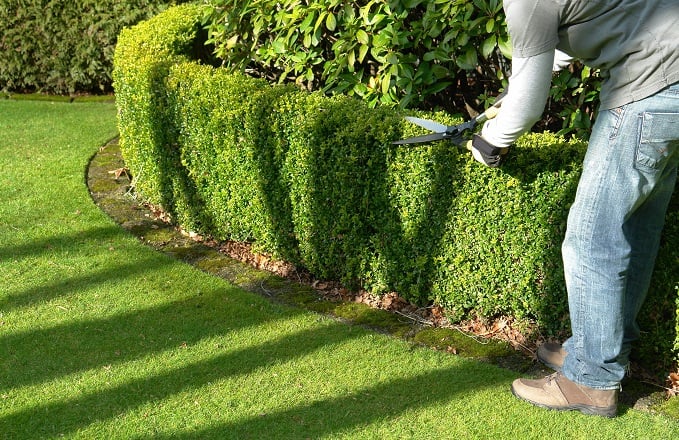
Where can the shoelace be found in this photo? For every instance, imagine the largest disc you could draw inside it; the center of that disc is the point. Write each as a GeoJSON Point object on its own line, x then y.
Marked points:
{"type": "Point", "coordinates": [552, 377]}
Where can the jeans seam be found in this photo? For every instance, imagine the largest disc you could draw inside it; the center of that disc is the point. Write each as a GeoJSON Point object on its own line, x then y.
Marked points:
{"type": "Point", "coordinates": [619, 113]}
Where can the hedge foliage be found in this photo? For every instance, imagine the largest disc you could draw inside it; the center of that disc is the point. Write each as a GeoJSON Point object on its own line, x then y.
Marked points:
{"type": "Point", "coordinates": [316, 180]}
{"type": "Point", "coordinates": [64, 47]}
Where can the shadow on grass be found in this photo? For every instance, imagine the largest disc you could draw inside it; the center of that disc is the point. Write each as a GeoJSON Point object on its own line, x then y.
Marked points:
{"type": "Point", "coordinates": [66, 286]}
{"type": "Point", "coordinates": [40, 246]}
{"type": "Point", "coordinates": [42, 355]}
{"type": "Point", "coordinates": [359, 408]}
{"type": "Point", "coordinates": [323, 417]}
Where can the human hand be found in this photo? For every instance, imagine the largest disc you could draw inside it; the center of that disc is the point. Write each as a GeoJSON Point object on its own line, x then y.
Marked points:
{"type": "Point", "coordinates": [486, 153]}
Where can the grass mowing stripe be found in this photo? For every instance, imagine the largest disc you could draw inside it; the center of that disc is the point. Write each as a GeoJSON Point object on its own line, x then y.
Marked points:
{"type": "Point", "coordinates": [101, 337]}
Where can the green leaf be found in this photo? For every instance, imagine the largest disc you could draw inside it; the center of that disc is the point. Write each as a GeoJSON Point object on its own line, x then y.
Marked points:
{"type": "Point", "coordinates": [469, 60]}
{"type": "Point", "coordinates": [438, 87]}
{"type": "Point", "coordinates": [488, 46]}
{"type": "Point", "coordinates": [440, 71]}
{"type": "Point", "coordinates": [320, 21]}
{"type": "Point", "coordinates": [377, 19]}
{"type": "Point", "coordinates": [231, 42]}
{"type": "Point", "coordinates": [392, 58]}
{"type": "Point", "coordinates": [278, 46]}
{"type": "Point", "coordinates": [586, 72]}
{"type": "Point", "coordinates": [362, 37]}
{"type": "Point", "coordinates": [429, 56]}
{"type": "Point", "coordinates": [331, 22]}
{"type": "Point", "coordinates": [505, 46]}
{"type": "Point", "coordinates": [386, 83]}
{"type": "Point", "coordinates": [306, 24]}
{"type": "Point", "coordinates": [362, 51]}
{"type": "Point", "coordinates": [351, 60]}
{"type": "Point", "coordinates": [490, 25]}
{"type": "Point", "coordinates": [316, 37]}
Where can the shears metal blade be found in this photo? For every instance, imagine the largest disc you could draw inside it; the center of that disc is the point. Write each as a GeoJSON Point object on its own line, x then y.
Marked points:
{"type": "Point", "coordinates": [457, 134]}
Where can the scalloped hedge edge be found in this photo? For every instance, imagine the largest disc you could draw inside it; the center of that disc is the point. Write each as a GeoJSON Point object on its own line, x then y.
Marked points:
{"type": "Point", "coordinates": [315, 180]}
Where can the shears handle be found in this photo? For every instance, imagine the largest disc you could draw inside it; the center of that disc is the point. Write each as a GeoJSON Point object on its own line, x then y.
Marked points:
{"type": "Point", "coordinates": [491, 111]}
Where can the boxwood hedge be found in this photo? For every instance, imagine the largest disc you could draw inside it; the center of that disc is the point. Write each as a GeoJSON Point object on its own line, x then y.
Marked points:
{"type": "Point", "coordinates": [315, 180]}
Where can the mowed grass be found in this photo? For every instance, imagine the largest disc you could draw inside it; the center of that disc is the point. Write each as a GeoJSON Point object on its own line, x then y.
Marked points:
{"type": "Point", "coordinates": [102, 337]}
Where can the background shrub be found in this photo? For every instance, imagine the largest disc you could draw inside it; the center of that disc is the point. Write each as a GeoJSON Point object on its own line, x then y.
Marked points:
{"type": "Point", "coordinates": [316, 180]}
{"type": "Point", "coordinates": [407, 53]}
{"type": "Point", "coordinates": [391, 52]}
{"type": "Point", "coordinates": [65, 47]}
{"type": "Point", "coordinates": [449, 54]}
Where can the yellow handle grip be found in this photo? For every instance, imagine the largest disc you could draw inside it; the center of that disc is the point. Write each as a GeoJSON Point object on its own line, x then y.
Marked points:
{"type": "Point", "coordinates": [492, 112]}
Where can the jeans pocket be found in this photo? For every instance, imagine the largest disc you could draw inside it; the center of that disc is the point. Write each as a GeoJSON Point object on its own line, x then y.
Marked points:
{"type": "Point", "coordinates": [658, 139]}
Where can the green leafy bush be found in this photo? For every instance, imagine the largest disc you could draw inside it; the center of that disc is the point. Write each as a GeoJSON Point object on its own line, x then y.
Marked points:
{"type": "Point", "coordinates": [387, 52]}
{"type": "Point", "coordinates": [315, 180]}
{"type": "Point", "coordinates": [447, 54]}
{"type": "Point", "coordinates": [576, 90]}
{"type": "Point", "coordinates": [64, 47]}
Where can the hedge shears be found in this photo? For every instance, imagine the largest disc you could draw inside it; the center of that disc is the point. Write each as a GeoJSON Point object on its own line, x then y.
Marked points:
{"type": "Point", "coordinates": [458, 134]}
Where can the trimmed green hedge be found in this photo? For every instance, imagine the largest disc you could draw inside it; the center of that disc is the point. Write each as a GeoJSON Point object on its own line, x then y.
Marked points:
{"type": "Point", "coordinates": [316, 181]}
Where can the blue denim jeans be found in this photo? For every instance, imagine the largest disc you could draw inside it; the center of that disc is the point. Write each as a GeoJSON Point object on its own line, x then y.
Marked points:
{"type": "Point", "coordinates": [613, 233]}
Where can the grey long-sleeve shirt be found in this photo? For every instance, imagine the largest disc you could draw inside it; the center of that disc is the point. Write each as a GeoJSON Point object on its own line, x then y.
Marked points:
{"type": "Point", "coordinates": [632, 42]}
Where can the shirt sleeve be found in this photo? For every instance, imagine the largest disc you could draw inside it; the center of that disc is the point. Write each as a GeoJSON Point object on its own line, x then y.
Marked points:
{"type": "Point", "coordinates": [533, 26]}
{"type": "Point", "coordinates": [561, 60]}
{"type": "Point", "coordinates": [525, 101]}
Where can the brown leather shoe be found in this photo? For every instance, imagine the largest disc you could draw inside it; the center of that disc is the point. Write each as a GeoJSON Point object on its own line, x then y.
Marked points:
{"type": "Point", "coordinates": [552, 354]}
{"type": "Point", "coordinates": [558, 392]}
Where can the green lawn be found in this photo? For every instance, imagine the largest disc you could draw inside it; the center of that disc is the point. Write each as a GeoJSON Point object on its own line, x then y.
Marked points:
{"type": "Point", "coordinates": [103, 337]}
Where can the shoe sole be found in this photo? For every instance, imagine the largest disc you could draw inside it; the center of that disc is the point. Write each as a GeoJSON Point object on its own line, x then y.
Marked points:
{"type": "Point", "coordinates": [585, 409]}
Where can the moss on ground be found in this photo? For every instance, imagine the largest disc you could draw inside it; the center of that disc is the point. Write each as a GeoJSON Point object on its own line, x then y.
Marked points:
{"type": "Point", "coordinates": [668, 407]}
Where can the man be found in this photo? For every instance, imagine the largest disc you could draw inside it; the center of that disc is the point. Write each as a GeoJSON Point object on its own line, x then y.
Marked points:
{"type": "Point", "coordinates": [629, 174]}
